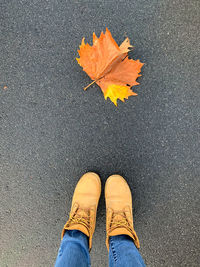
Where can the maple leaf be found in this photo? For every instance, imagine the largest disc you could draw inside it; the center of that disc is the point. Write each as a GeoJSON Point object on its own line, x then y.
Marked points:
{"type": "Point", "coordinates": [108, 65]}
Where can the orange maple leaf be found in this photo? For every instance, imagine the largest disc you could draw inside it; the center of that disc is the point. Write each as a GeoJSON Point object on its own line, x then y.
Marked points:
{"type": "Point", "coordinates": [108, 65]}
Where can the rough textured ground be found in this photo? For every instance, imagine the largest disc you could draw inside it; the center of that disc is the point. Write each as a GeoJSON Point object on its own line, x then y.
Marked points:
{"type": "Point", "coordinates": [51, 131]}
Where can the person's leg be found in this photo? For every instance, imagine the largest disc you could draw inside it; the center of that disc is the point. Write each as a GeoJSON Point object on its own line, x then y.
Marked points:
{"type": "Point", "coordinates": [121, 240]}
{"type": "Point", "coordinates": [74, 250]}
{"type": "Point", "coordinates": [123, 252]}
{"type": "Point", "coordinates": [79, 229]}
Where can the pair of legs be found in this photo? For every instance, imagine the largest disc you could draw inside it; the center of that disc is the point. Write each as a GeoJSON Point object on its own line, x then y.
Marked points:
{"type": "Point", "coordinates": [121, 240]}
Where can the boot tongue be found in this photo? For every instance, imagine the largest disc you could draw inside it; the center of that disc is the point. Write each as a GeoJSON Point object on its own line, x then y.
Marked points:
{"type": "Point", "coordinates": [121, 229]}
{"type": "Point", "coordinates": [82, 213]}
{"type": "Point", "coordinates": [79, 226]}
{"type": "Point", "coordinates": [118, 217]}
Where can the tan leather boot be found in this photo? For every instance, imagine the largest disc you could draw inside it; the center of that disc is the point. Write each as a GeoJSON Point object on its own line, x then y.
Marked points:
{"type": "Point", "coordinates": [119, 217]}
{"type": "Point", "coordinates": [84, 206]}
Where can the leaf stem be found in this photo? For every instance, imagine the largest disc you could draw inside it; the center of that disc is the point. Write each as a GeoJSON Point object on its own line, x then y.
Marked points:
{"type": "Point", "coordinates": [92, 83]}
{"type": "Point", "coordinates": [89, 85]}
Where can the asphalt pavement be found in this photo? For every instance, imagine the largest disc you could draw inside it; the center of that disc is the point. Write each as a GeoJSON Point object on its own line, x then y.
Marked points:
{"type": "Point", "coordinates": [52, 132]}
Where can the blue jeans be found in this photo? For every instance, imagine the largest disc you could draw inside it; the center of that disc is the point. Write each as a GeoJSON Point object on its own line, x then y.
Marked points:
{"type": "Point", "coordinates": [74, 252]}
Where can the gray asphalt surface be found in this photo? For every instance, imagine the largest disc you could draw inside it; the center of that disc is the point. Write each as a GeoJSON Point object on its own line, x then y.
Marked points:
{"type": "Point", "coordinates": [51, 131]}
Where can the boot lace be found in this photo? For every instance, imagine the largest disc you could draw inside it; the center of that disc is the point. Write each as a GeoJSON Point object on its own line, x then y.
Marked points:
{"type": "Point", "coordinates": [80, 216]}
{"type": "Point", "coordinates": [118, 223]}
